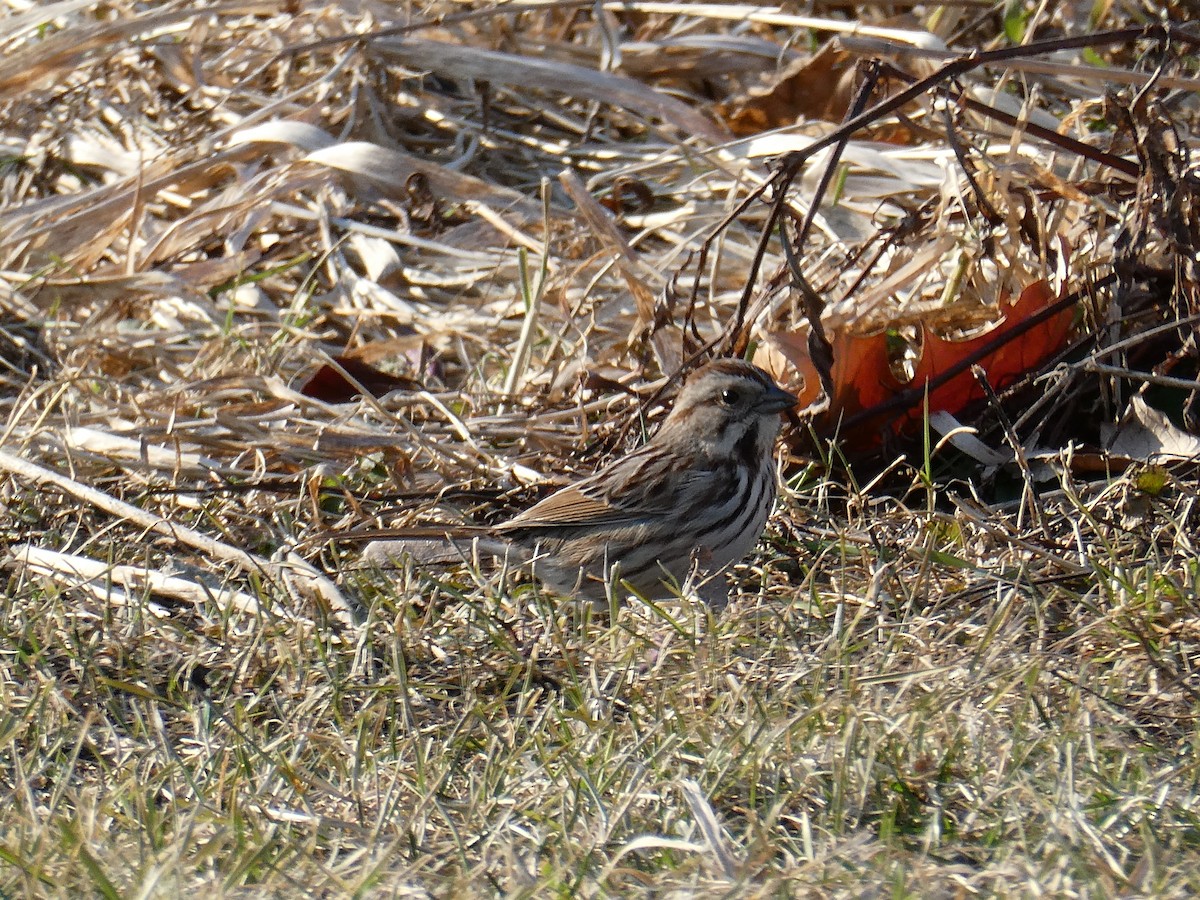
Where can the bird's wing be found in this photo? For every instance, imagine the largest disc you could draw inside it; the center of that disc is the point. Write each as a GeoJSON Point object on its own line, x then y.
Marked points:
{"type": "Point", "coordinates": [571, 507]}
{"type": "Point", "coordinates": [611, 498]}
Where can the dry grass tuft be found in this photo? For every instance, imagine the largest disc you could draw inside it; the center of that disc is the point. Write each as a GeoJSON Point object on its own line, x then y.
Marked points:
{"type": "Point", "coordinates": [933, 680]}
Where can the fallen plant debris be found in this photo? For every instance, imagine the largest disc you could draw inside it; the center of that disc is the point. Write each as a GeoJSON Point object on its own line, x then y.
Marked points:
{"type": "Point", "coordinates": [1011, 219]}
{"type": "Point", "coordinates": [864, 378]}
{"type": "Point", "coordinates": [272, 273]}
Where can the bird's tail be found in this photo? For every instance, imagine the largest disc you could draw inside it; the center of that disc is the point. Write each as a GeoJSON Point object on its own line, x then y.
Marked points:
{"type": "Point", "coordinates": [429, 547]}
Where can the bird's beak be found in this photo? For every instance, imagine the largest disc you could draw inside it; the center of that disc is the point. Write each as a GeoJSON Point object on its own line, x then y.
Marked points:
{"type": "Point", "coordinates": [776, 400]}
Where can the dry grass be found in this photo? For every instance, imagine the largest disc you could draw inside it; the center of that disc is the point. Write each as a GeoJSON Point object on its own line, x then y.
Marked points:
{"type": "Point", "coordinates": [932, 684]}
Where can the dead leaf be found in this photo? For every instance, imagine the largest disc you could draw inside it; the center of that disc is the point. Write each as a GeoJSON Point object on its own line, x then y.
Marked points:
{"type": "Point", "coordinates": [864, 377]}
{"type": "Point", "coordinates": [329, 383]}
{"type": "Point", "coordinates": [817, 87]}
{"type": "Point", "coordinates": [1145, 434]}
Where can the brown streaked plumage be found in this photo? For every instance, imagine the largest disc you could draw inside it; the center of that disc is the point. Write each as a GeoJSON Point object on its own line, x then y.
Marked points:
{"type": "Point", "coordinates": [690, 502]}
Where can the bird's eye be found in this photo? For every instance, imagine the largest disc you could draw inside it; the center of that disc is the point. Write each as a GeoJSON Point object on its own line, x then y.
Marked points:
{"type": "Point", "coordinates": [729, 396]}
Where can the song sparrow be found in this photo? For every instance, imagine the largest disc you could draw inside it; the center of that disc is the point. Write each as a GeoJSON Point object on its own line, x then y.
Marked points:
{"type": "Point", "coordinates": [690, 502]}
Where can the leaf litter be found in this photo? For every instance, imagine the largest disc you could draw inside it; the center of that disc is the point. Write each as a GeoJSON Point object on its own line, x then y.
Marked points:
{"type": "Point", "coordinates": [506, 232]}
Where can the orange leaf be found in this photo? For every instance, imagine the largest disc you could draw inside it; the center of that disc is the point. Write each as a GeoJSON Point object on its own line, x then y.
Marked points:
{"type": "Point", "coordinates": [1005, 364]}
{"type": "Point", "coordinates": [863, 378]}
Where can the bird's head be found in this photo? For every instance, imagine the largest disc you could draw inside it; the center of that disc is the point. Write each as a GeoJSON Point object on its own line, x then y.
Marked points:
{"type": "Point", "coordinates": [728, 406]}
